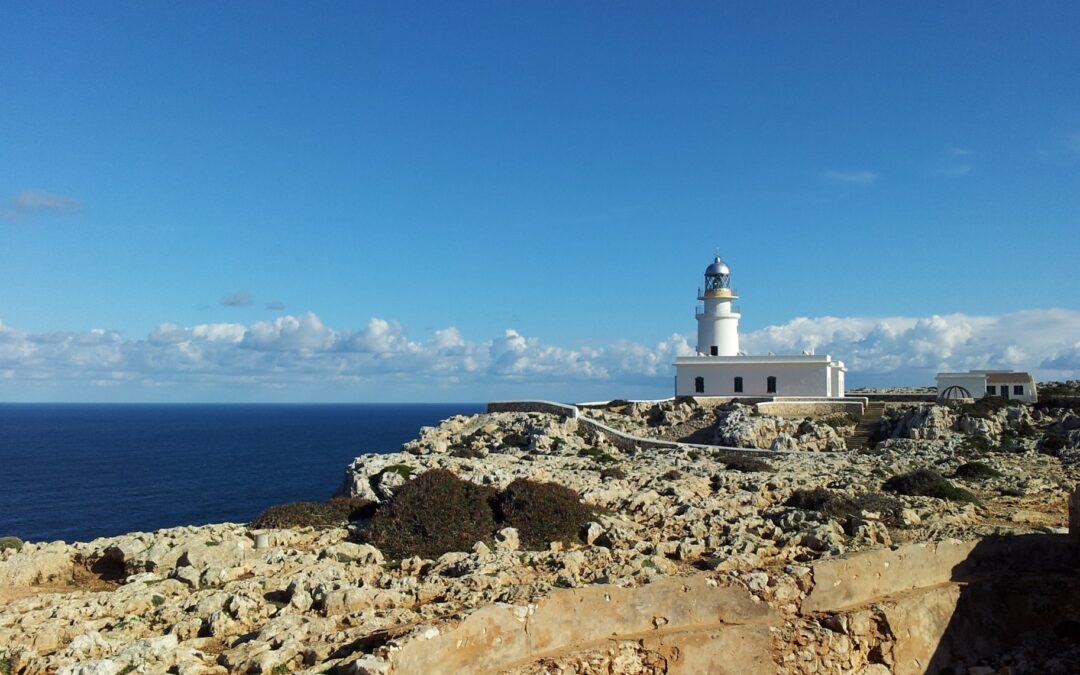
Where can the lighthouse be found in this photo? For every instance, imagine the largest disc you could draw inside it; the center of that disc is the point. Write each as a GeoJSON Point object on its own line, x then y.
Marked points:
{"type": "Point", "coordinates": [719, 369]}
{"type": "Point", "coordinates": [717, 317]}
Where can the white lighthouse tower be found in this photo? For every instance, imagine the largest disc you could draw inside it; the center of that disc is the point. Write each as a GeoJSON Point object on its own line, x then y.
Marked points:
{"type": "Point", "coordinates": [717, 318]}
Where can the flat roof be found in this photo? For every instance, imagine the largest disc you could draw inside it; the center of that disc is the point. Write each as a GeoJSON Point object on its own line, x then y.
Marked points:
{"type": "Point", "coordinates": [771, 359]}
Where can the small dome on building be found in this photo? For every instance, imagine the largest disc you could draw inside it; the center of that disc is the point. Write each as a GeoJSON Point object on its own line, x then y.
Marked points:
{"type": "Point", "coordinates": [718, 266]}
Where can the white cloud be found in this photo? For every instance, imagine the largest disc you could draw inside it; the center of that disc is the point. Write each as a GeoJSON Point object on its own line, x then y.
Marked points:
{"type": "Point", "coordinates": [238, 299]}
{"type": "Point", "coordinates": [29, 202]}
{"type": "Point", "coordinates": [860, 178]}
{"type": "Point", "coordinates": [302, 351]}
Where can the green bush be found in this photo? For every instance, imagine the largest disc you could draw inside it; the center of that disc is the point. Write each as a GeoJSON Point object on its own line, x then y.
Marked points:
{"type": "Point", "coordinates": [515, 440]}
{"type": "Point", "coordinates": [542, 512]}
{"type": "Point", "coordinates": [403, 470]}
{"type": "Point", "coordinates": [928, 483]}
{"type": "Point", "coordinates": [433, 514]}
{"type": "Point", "coordinates": [10, 542]}
{"type": "Point", "coordinates": [320, 515]}
{"type": "Point", "coordinates": [746, 464]}
{"type": "Point", "coordinates": [674, 474]}
{"type": "Point", "coordinates": [976, 471]}
{"type": "Point", "coordinates": [613, 472]}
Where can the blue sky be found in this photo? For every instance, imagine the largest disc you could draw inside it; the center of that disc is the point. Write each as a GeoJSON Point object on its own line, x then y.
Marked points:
{"type": "Point", "coordinates": [335, 186]}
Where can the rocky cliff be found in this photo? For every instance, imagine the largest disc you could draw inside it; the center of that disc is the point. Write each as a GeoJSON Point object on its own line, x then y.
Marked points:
{"type": "Point", "coordinates": [747, 538]}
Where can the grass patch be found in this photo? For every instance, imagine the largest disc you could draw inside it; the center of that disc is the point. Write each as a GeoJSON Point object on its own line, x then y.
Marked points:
{"type": "Point", "coordinates": [280, 669]}
{"type": "Point", "coordinates": [693, 455]}
{"type": "Point", "coordinates": [928, 483]}
{"type": "Point", "coordinates": [320, 515]}
{"type": "Point", "coordinates": [976, 471]}
{"type": "Point", "coordinates": [10, 542]}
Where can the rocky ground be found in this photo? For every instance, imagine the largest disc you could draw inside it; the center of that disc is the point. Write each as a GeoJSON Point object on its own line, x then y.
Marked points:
{"type": "Point", "coordinates": [205, 600]}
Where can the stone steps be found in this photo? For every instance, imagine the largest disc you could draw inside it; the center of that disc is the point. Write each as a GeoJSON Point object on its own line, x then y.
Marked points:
{"type": "Point", "coordinates": [870, 418]}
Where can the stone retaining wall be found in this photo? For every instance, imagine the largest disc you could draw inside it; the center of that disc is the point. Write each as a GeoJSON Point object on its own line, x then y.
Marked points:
{"type": "Point", "coordinates": [809, 408]}
{"type": "Point", "coordinates": [673, 611]}
{"type": "Point", "coordinates": [621, 440]}
{"type": "Point", "coordinates": [931, 605]}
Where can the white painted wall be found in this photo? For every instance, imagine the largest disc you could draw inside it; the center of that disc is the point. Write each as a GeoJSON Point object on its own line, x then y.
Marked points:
{"type": "Point", "coordinates": [808, 378]}
{"type": "Point", "coordinates": [973, 382]}
{"type": "Point", "coordinates": [718, 325]}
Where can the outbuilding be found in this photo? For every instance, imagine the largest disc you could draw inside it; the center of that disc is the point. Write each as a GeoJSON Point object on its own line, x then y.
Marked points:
{"type": "Point", "coordinates": [1011, 384]}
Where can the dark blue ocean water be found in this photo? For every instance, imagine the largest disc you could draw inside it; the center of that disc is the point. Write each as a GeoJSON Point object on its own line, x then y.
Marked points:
{"type": "Point", "coordinates": [79, 471]}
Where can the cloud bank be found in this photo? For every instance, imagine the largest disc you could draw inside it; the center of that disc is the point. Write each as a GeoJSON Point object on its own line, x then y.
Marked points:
{"type": "Point", "coordinates": [381, 358]}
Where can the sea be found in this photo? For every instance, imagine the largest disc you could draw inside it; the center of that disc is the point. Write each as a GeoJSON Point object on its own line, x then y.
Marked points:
{"type": "Point", "coordinates": [75, 472]}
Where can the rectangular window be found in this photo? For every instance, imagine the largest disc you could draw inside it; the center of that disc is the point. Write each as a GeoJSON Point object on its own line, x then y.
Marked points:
{"type": "Point", "coordinates": [738, 385]}
{"type": "Point", "coordinates": [991, 390]}
{"type": "Point", "coordinates": [770, 385]}
{"type": "Point", "coordinates": [715, 351]}
{"type": "Point", "coordinates": [699, 385]}
{"type": "Point", "coordinates": [1018, 389]}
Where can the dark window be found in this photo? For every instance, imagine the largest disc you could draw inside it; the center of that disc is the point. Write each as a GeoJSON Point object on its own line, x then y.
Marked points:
{"type": "Point", "coordinates": [991, 390]}
{"type": "Point", "coordinates": [770, 385]}
{"type": "Point", "coordinates": [1018, 389]}
{"type": "Point", "coordinates": [699, 385]}
{"type": "Point", "coordinates": [738, 385]}
{"type": "Point", "coordinates": [715, 351]}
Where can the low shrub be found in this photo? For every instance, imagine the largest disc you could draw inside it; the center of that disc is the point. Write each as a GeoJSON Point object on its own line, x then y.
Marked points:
{"type": "Point", "coordinates": [976, 471]}
{"type": "Point", "coordinates": [693, 455]}
{"type": "Point", "coordinates": [597, 455]}
{"type": "Point", "coordinates": [320, 515]}
{"type": "Point", "coordinates": [674, 474]}
{"type": "Point", "coordinates": [986, 406]}
{"type": "Point", "coordinates": [463, 452]}
{"type": "Point", "coordinates": [746, 464]}
{"type": "Point", "coordinates": [613, 472]}
{"type": "Point", "coordinates": [842, 507]}
{"type": "Point", "coordinates": [928, 483]}
{"type": "Point", "coordinates": [515, 440]}
{"type": "Point", "coordinates": [1052, 445]}
{"type": "Point", "coordinates": [433, 514]}
{"type": "Point", "coordinates": [403, 470]}
{"type": "Point", "coordinates": [979, 445]}
{"type": "Point", "coordinates": [542, 512]}
{"type": "Point", "coordinates": [10, 542]}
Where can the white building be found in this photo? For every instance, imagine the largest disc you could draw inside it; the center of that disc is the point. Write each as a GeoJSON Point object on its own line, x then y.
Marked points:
{"type": "Point", "coordinates": [720, 369]}
{"type": "Point", "coordinates": [979, 383]}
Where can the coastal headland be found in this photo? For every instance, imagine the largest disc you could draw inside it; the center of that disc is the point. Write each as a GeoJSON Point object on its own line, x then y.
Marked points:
{"type": "Point", "coordinates": [720, 538]}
